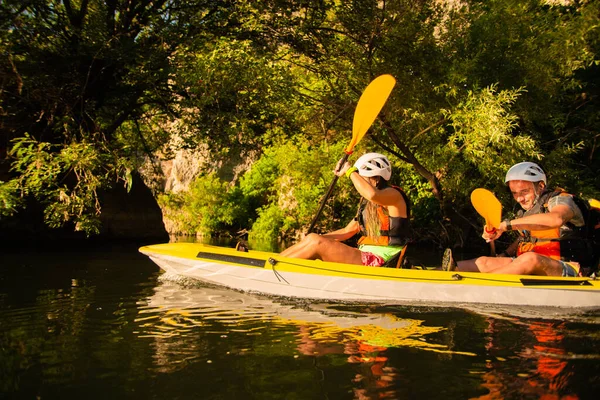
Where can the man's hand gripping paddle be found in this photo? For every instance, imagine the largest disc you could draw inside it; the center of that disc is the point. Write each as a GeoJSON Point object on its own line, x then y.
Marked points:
{"type": "Point", "coordinates": [489, 207]}
{"type": "Point", "coordinates": [369, 105]}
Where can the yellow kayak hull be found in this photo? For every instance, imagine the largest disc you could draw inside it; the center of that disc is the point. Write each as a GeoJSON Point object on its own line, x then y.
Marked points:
{"type": "Point", "coordinates": [270, 273]}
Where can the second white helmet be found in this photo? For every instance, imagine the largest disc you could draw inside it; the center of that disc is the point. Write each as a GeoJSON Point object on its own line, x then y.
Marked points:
{"type": "Point", "coordinates": [525, 171]}
{"type": "Point", "coordinates": [374, 164]}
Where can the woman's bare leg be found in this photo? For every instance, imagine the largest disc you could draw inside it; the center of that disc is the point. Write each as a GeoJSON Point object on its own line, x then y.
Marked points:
{"type": "Point", "coordinates": [298, 249]}
{"type": "Point", "coordinates": [314, 247]}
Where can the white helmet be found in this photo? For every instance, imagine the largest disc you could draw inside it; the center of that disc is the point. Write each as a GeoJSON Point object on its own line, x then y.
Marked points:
{"type": "Point", "coordinates": [525, 171]}
{"type": "Point", "coordinates": [374, 164]}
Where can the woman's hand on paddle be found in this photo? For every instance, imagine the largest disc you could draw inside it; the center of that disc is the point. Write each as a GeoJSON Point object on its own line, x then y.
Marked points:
{"type": "Point", "coordinates": [341, 167]}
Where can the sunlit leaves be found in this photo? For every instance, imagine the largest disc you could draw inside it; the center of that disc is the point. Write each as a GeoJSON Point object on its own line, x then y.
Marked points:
{"type": "Point", "coordinates": [209, 206]}
{"type": "Point", "coordinates": [68, 178]}
{"type": "Point", "coordinates": [293, 176]}
{"type": "Point", "coordinates": [485, 132]}
{"type": "Point", "coordinates": [235, 96]}
{"type": "Point", "coordinates": [10, 201]}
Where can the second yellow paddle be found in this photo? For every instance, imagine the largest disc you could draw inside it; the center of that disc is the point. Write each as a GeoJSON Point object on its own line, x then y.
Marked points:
{"type": "Point", "coordinates": [489, 207]}
{"type": "Point", "coordinates": [369, 105]}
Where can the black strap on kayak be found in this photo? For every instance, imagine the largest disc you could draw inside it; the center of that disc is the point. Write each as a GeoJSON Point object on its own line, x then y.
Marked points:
{"type": "Point", "coordinates": [548, 282]}
{"type": "Point", "coordinates": [254, 262]}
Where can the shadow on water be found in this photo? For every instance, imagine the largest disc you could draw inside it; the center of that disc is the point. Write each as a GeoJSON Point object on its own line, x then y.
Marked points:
{"type": "Point", "coordinates": [106, 323]}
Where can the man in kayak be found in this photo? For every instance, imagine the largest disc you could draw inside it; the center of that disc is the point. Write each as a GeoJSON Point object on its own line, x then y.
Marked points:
{"type": "Point", "coordinates": [550, 225]}
{"type": "Point", "coordinates": [383, 219]}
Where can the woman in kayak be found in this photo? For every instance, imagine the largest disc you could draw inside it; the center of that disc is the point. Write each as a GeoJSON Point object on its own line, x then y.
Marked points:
{"type": "Point", "coordinates": [382, 219]}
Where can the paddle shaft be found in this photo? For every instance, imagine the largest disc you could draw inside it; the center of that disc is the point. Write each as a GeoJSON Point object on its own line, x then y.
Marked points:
{"type": "Point", "coordinates": [326, 197]}
{"type": "Point", "coordinates": [493, 248]}
{"type": "Point", "coordinates": [492, 243]}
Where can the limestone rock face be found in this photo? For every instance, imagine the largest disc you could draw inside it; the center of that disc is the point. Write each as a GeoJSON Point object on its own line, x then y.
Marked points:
{"type": "Point", "coordinates": [183, 169]}
{"type": "Point", "coordinates": [180, 171]}
{"type": "Point", "coordinates": [177, 174]}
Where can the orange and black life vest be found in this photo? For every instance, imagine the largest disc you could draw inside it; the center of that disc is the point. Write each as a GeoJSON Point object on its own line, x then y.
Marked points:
{"type": "Point", "coordinates": [567, 243]}
{"type": "Point", "coordinates": [394, 231]}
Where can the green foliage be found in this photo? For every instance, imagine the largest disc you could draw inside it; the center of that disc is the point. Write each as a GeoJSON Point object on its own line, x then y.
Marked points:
{"type": "Point", "coordinates": [237, 97]}
{"type": "Point", "coordinates": [479, 85]}
{"type": "Point", "coordinates": [269, 224]}
{"type": "Point", "coordinates": [209, 206]}
{"type": "Point", "coordinates": [67, 178]}
{"type": "Point", "coordinates": [483, 138]}
{"type": "Point", "coordinates": [10, 201]}
{"type": "Point", "coordinates": [92, 88]}
{"type": "Point", "coordinates": [258, 183]}
{"type": "Point", "coordinates": [293, 177]}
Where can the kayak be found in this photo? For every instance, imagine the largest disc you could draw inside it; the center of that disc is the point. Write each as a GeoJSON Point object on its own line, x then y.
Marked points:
{"type": "Point", "coordinates": [270, 273]}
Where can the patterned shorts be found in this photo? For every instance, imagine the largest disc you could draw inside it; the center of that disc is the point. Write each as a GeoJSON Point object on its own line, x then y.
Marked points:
{"type": "Point", "coordinates": [371, 260]}
{"type": "Point", "coordinates": [570, 268]}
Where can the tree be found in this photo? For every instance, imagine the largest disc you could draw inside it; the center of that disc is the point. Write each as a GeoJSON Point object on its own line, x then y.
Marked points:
{"type": "Point", "coordinates": [90, 87]}
{"type": "Point", "coordinates": [481, 85]}
{"type": "Point", "coordinates": [74, 74]}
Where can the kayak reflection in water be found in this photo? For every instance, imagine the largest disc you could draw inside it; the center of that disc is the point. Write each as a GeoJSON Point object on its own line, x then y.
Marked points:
{"type": "Point", "coordinates": [382, 219]}
{"type": "Point", "coordinates": [374, 379]}
{"type": "Point", "coordinates": [545, 373]}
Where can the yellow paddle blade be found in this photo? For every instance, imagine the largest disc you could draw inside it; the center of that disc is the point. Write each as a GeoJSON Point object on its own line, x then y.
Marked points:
{"type": "Point", "coordinates": [368, 107]}
{"type": "Point", "coordinates": [488, 206]}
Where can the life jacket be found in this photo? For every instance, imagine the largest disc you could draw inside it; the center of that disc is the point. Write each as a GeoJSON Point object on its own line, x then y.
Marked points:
{"type": "Point", "coordinates": [568, 242]}
{"type": "Point", "coordinates": [394, 231]}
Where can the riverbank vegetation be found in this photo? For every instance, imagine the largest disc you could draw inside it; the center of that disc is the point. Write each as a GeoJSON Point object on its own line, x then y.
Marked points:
{"type": "Point", "coordinates": [94, 91]}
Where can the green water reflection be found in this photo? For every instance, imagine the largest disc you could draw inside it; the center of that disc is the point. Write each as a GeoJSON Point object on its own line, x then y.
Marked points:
{"type": "Point", "coordinates": [106, 323]}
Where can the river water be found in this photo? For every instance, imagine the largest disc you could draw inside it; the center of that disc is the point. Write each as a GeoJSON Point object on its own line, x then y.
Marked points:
{"type": "Point", "coordinates": [105, 323]}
